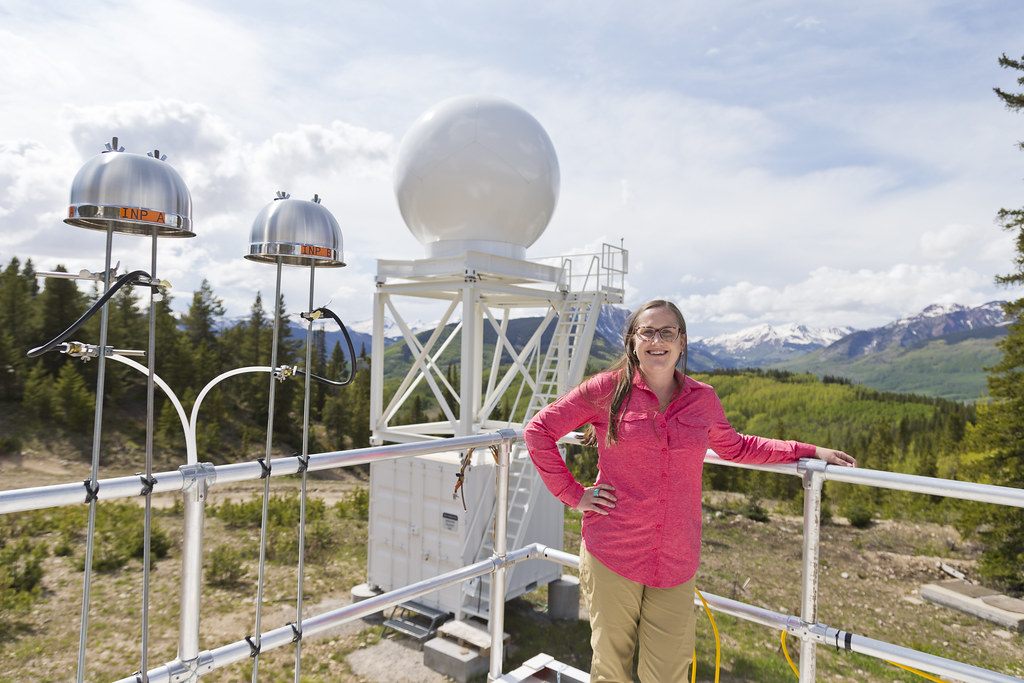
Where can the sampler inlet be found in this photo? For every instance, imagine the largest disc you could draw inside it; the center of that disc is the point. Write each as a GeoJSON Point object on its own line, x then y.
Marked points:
{"type": "Point", "coordinates": [130, 193]}
{"type": "Point", "coordinates": [296, 232]}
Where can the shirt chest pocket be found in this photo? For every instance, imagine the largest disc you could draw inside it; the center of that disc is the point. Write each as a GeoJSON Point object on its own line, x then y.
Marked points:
{"type": "Point", "coordinates": [637, 427]}
{"type": "Point", "coordinates": [689, 432]}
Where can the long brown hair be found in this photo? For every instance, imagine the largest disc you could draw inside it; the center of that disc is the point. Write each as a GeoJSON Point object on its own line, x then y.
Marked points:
{"type": "Point", "coordinates": [628, 364]}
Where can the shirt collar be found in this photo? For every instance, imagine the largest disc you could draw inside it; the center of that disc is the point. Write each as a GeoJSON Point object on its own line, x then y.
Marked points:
{"type": "Point", "coordinates": [683, 381]}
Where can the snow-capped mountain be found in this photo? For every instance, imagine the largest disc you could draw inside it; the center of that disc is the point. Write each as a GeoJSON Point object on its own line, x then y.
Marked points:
{"type": "Point", "coordinates": [611, 322]}
{"type": "Point", "coordinates": [793, 335]}
{"type": "Point", "coordinates": [766, 345]}
{"type": "Point", "coordinates": [934, 321]}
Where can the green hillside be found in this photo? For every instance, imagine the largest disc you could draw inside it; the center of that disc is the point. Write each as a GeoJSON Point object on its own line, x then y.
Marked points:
{"type": "Point", "coordinates": [886, 431]}
{"type": "Point", "coordinates": [950, 367]}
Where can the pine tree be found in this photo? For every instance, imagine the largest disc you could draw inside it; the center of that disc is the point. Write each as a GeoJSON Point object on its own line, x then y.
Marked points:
{"type": "Point", "coordinates": [200, 320]}
{"type": "Point", "coordinates": [200, 332]}
{"type": "Point", "coordinates": [287, 394]}
{"type": "Point", "coordinates": [59, 304]}
{"type": "Point", "coordinates": [16, 318]}
{"type": "Point", "coordinates": [38, 395]}
{"type": "Point", "coordinates": [73, 404]}
{"type": "Point", "coordinates": [17, 293]}
{"type": "Point", "coordinates": [1000, 427]}
{"type": "Point", "coordinates": [357, 395]}
{"type": "Point", "coordinates": [318, 391]}
{"type": "Point", "coordinates": [252, 344]}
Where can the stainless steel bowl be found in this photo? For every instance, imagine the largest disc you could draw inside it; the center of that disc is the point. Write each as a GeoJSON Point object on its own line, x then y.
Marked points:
{"type": "Point", "coordinates": [296, 232]}
{"type": "Point", "coordinates": [130, 193]}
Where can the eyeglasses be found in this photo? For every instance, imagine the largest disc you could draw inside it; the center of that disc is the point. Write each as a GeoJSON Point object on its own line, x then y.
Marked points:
{"type": "Point", "coordinates": [667, 334]}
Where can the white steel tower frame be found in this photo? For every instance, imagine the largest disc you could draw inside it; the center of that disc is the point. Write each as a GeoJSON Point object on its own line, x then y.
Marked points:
{"type": "Point", "coordinates": [417, 526]}
{"type": "Point", "coordinates": [482, 291]}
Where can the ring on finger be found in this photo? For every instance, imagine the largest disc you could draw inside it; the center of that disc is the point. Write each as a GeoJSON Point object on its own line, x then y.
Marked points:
{"type": "Point", "coordinates": [597, 493]}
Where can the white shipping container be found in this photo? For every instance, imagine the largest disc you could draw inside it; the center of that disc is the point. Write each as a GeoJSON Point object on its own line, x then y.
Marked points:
{"type": "Point", "coordinates": [418, 529]}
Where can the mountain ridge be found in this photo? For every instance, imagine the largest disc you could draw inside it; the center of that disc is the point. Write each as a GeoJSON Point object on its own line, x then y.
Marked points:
{"type": "Point", "coordinates": [903, 355]}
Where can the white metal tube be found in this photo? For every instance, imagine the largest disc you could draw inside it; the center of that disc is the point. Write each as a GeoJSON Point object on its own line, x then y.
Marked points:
{"type": "Point", "coordinates": [196, 483]}
{"type": "Point", "coordinates": [813, 481]}
{"type": "Point", "coordinates": [965, 490]}
{"type": "Point", "coordinates": [56, 495]}
{"type": "Point", "coordinates": [376, 364]}
{"type": "Point", "coordinates": [496, 615]}
{"type": "Point", "coordinates": [468, 363]}
{"type": "Point", "coordinates": [167, 391]}
{"type": "Point", "coordinates": [192, 447]}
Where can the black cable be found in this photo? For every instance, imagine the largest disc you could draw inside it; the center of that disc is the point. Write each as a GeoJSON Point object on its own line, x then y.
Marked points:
{"type": "Point", "coordinates": [351, 351]}
{"type": "Point", "coordinates": [121, 281]}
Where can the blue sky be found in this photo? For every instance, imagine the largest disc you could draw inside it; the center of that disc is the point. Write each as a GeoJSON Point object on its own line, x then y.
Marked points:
{"type": "Point", "coordinates": [774, 161]}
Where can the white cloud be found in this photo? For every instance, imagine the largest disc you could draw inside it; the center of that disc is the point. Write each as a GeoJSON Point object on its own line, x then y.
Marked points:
{"type": "Point", "coordinates": [771, 160]}
{"type": "Point", "coordinates": [948, 241]}
{"type": "Point", "coordinates": [833, 296]}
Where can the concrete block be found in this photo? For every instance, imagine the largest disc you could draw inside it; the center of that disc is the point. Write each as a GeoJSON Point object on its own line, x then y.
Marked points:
{"type": "Point", "coordinates": [564, 598]}
{"type": "Point", "coordinates": [471, 634]}
{"type": "Point", "coordinates": [984, 604]}
{"type": "Point", "coordinates": [454, 660]}
{"type": "Point", "coordinates": [362, 592]}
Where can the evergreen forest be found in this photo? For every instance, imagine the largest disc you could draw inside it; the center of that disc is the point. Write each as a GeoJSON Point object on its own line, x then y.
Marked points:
{"type": "Point", "coordinates": [52, 396]}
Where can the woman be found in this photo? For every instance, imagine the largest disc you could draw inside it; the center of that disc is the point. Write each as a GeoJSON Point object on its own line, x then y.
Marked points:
{"type": "Point", "coordinates": [642, 518]}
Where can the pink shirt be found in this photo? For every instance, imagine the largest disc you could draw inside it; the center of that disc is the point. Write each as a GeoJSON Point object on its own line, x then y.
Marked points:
{"type": "Point", "coordinates": [652, 536]}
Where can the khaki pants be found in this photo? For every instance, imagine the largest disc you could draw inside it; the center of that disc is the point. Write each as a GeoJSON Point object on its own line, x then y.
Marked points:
{"type": "Point", "coordinates": [625, 614]}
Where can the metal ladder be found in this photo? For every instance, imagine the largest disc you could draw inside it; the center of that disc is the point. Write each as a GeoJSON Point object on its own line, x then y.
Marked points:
{"type": "Point", "coordinates": [563, 367]}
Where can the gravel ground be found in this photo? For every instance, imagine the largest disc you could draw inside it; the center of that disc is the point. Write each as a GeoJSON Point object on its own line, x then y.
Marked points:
{"type": "Point", "coordinates": [393, 661]}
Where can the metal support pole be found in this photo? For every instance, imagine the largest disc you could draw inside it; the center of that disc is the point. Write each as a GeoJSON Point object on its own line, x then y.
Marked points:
{"type": "Point", "coordinates": [469, 392]}
{"type": "Point", "coordinates": [97, 429]}
{"type": "Point", "coordinates": [307, 385]}
{"type": "Point", "coordinates": [814, 479]}
{"type": "Point", "coordinates": [377, 365]}
{"type": "Point", "coordinates": [266, 480]}
{"type": "Point", "coordinates": [150, 408]}
{"type": "Point", "coordinates": [197, 479]}
{"type": "Point", "coordinates": [497, 611]}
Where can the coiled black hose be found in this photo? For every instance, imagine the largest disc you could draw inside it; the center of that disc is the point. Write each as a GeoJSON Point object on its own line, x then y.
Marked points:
{"type": "Point", "coordinates": [348, 340]}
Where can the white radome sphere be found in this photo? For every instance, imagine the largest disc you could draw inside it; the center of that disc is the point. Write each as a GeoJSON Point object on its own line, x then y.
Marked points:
{"type": "Point", "coordinates": [476, 173]}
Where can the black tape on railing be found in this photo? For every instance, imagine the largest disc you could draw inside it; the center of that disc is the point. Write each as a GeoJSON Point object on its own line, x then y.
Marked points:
{"type": "Point", "coordinates": [264, 468]}
{"type": "Point", "coordinates": [147, 483]}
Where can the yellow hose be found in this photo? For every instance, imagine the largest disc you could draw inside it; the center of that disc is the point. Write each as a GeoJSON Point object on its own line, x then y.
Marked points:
{"type": "Point", "coordinates": [718, 645]}
{"type": "Point", "coordinates": [785, 651]}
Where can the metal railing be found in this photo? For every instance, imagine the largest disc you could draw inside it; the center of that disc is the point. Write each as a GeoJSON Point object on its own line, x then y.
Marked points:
{"type": "Point", "coordinates": [194, 480]}
{"type": "Point", "coordinates": [591, 271]}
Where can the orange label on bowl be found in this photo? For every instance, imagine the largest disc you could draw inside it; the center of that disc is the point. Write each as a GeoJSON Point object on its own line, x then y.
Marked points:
{"type": "Point", "coordinates": [310, 250]}
{"type": "Point", "coordinates": [147, 215]}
